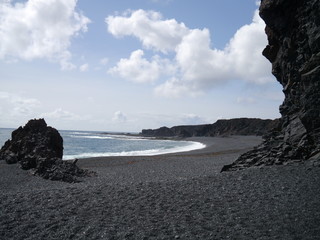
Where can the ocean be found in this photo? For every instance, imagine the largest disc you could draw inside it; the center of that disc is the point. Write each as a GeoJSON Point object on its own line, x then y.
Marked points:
{"type": "Point", "coordinates": [85, 144]}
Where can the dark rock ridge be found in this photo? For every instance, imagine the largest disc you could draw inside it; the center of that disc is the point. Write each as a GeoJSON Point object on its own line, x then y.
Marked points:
{"type": "Point", "coordinates": [40, 148]}
{"type": "Point", "coordinates": [237, 126]}
{"type": "Point", "coordinates": [293, 30]}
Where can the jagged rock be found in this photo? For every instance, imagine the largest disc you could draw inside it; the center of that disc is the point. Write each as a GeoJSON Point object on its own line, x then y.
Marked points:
{"type": "Point", "coordinates": [39, 147]}
{"type": "Point", "coordinates": [293, 30]}
{"type": "Point", "coordinates": [223, 127]}
{"type": "Point", "coordinates": [34, 140]}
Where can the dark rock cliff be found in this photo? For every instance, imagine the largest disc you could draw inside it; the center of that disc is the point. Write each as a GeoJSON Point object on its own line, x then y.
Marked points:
{"type": "Point", "coordinates": [237, 126]}
{"type": "Point", "coordinates": [40, 148]}
{"type": "Point", "coordinates": [293, 30]}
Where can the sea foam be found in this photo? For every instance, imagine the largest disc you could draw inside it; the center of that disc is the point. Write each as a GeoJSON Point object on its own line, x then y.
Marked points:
{"type": "Point", "coordinates": [151, 152]}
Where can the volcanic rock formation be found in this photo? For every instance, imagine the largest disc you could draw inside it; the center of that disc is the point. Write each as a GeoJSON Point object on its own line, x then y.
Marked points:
{"type": "Point", "coordinates": [293, 30]}
{"type": "Point", "coordinates": [40, 148]}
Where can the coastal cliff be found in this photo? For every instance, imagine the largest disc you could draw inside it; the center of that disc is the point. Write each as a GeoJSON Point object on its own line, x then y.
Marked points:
{"type": "Point", "coordinates": [293, 30]}
{"type": "Point", "coordinates": [237, 126]}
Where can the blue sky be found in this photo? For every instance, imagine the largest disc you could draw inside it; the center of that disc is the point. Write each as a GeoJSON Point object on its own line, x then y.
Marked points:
{"type": "Point", "coordinates": [127, 65]}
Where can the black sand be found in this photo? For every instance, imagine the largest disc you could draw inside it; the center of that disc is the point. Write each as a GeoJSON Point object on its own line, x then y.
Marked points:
{"type": "Point", "coordinates": [175, 196]}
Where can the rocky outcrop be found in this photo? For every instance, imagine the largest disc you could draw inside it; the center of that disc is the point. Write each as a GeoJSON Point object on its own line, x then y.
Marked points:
{"type": "Point", "coordinates": [40, 148]}
{"type": "Point", "coordinates": [237, 126]}
{"type": "Point", "coordinates": [293, 30]}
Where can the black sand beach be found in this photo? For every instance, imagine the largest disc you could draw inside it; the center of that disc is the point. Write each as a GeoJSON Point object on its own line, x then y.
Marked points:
{"type": "Point", "coordinates": [174, 196]}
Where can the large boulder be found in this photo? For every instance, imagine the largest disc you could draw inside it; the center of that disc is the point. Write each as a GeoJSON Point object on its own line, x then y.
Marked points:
{"type": "Point", "coordinates": [34, 140]}
{"type": "Point", "coordinates": [293, 30]}
{"type": "Point", "coordinates": [40, 148]}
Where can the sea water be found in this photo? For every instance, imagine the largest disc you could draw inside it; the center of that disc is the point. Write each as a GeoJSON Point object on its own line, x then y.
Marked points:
{"type": "Point", "coordinates": [84, 144]}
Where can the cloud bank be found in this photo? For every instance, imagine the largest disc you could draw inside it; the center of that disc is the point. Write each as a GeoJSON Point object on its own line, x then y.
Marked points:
{"type": "Point", "coordinates": [196, 65]}
{"type": "Point", "coordinates": [40, 29]}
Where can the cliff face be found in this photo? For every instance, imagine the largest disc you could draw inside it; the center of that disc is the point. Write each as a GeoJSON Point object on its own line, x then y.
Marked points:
{"type": "Point", "coordinates": [293, 30]}
{"type": "Point", "coordinates": [237, 126]}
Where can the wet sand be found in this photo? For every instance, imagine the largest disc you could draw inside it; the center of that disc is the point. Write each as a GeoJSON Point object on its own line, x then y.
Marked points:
{"type": "Point", "coordinates": [173, 196]}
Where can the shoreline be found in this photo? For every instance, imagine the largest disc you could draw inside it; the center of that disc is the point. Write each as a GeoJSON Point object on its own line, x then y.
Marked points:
{"type": "Point", "coordinates": [172, 166]}
{"type": "Point", "coordinates": [209, 145]}
{"type": "Point", "coordinates": [195, 145]}
{"type": "Point", "coordinates": [161, 146]}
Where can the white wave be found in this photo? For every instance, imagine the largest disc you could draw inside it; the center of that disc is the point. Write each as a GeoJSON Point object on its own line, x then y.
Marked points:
{"type": "Point", "coordinates": [124, 137]}
{"type": "Point", "coordinates": [151, 152]}
{"type": "Point", "coordinates": [80, 133]}
{"type": "Point", "coordinates": [127, 137]}
{"type": "Point", "coordinates": [93, 137]}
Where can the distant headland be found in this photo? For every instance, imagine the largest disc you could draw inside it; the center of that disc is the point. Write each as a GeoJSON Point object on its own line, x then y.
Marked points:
{"type": "Point", "coordinates": [223, 127]}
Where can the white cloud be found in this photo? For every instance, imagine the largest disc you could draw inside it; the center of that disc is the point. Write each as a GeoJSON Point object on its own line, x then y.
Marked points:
{"type": "Point", "coordinates": [119, 117]}
{"type": "Point", "coordinates": [14, 107]}
{"type": "Point", "coordinates": [196, 66]}
{"type": "Point", "coordinates": [149, 28]}
{"type": "Point", "coordinates": [176, 87]}
{"type": "Point", "coordinates": [200, 66]}
{"type": "Point", "coordinates": [137, 68]}
{"type": "Point", "coordinates": [84, 67]}
{"type": "Point", "coordinates": [40, 29]}
{"type": "Point", "coordinates": [245, 52]}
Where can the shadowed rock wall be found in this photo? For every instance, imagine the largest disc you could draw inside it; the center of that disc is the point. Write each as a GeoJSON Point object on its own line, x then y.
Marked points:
{"type": "Point", "coordinates": [293, 30]}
